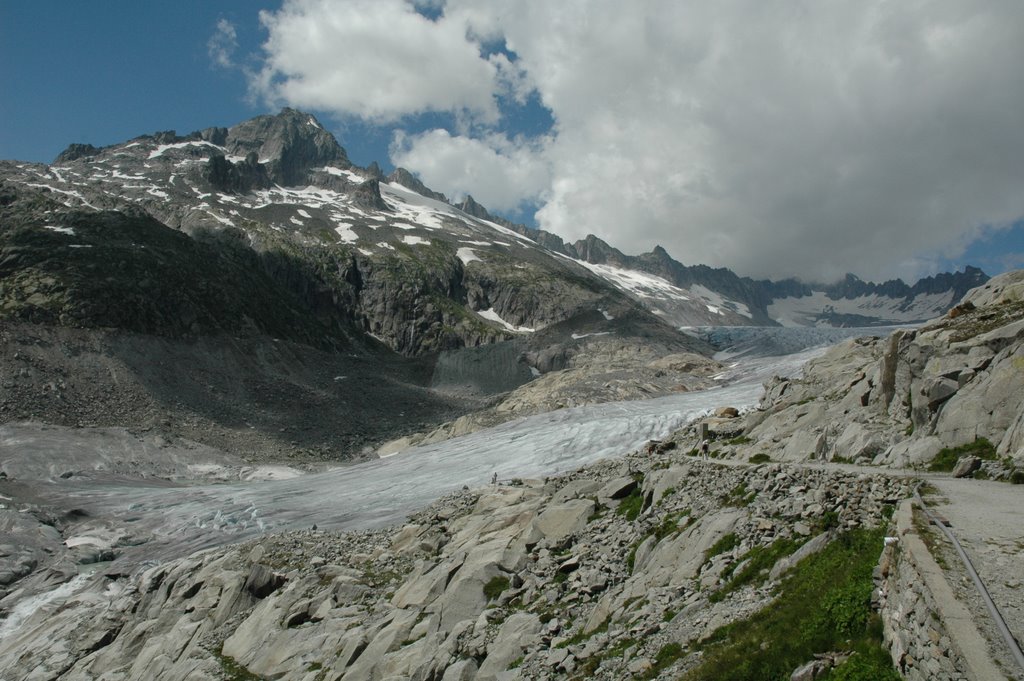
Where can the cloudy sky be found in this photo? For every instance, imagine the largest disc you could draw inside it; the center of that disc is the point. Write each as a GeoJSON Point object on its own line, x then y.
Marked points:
{"type": "Point", "coordinates": [884, 138]}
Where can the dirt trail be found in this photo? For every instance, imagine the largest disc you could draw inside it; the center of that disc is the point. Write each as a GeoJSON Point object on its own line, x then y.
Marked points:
{"type": "Point", "coordinates": [987, 519]}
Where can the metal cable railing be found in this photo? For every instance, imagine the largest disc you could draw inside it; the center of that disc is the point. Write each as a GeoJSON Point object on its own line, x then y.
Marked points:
{"type": "Point", "coordinates": [1000, 623]}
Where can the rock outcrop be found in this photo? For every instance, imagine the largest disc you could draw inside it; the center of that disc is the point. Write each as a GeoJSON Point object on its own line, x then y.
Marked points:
{"type": "Point", "coordinates": [898, 401]}
{"type": "Point", "coordinates": [596, 570]}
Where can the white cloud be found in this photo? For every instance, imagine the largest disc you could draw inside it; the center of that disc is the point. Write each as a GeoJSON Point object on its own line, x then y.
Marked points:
{"type": "Point", "coordinates": [376, 59]}
{"type": "Point", "coordinates": [500, 173]}
{"type": "Point", "coordinates": [780, 138]}
{"type": "Point", "coordinates": [774, 138]}
{"type": "Point", "coordinates": [222, 45]}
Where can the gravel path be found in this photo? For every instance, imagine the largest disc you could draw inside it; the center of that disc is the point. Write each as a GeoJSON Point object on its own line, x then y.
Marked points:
{"type": "Point", "coordinates": [988, 520]}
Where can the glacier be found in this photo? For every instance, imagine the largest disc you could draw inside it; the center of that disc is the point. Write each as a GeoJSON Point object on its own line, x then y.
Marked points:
{"type": "Point", "coordinates": [381, 492]}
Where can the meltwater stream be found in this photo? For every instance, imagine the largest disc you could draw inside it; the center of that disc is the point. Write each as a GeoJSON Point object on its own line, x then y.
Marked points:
{"type": "Point", "coordinates": [180, 520]}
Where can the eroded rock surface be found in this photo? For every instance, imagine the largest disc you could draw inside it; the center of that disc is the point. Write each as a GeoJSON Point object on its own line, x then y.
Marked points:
{"type": "Point", "coordinates": [897, 401]}
{"type": "Point", "coordinates": [527, 581]}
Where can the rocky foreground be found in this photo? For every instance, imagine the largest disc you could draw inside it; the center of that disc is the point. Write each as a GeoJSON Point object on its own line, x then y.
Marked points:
{"type": "Point", "coordinates": [596, 572]}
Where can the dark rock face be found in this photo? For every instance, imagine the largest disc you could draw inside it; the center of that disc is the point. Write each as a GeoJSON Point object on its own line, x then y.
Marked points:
{"type": "Point", "coordinates": [367, 196]}
{"type": "Point", "coordinates": [75, 152]}
{"type": "Point", "coordinates": [594, 250]}
{"type": "Point", "coordinates": [218, 136]}
{"type": "Point", "coordinates": [236, 178]}
{"type": "Point", "coordinates": [958, 283]}
{"type": "Point", "coordinates": [290, 143]}
{"type": "Point", "coordinates": [262, 581]}
{"type": "Point", "coordinates": [407, 179]}
{"type": "Point", "coordinates": [128, 271]}
{"type": "Point", "coordinates": [471, 207]}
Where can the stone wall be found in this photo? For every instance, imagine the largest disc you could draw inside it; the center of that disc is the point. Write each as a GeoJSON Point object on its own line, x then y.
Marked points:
{"type": "Point", "coordinates": [928, 632]}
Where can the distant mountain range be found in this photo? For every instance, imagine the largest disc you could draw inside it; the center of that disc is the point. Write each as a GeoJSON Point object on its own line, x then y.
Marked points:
{"type": "Point", "coordinates": [268, 228]}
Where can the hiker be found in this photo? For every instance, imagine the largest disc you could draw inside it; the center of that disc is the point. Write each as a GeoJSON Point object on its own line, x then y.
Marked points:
{"type": "Point", "coordinates": [705, 448]}
{"type": "Point", "coordinates": [494, 480]}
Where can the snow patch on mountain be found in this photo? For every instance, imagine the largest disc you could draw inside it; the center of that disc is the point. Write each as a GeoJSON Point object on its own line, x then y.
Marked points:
{"type": "Point", "coordinates": [467, 255]}
{"type": "Point", "coordinates": [67, 192]}
{"type": "Point", "coordinates": [345, 233]}
{"type": "Point", "coordinates": [63, 230]}
{"type": "Point", "coordinates": [490, 315]}
{"type": "Point", "coordinates": [713, 299]}
{"type": "Point", "coordinates": [678, 306]}
{"type": "Point", "coordinates": [163, 148]}
{"type": "Point", "coordinates": [344, 172]}
{"type": "Point", "coordinates": [639, 284]}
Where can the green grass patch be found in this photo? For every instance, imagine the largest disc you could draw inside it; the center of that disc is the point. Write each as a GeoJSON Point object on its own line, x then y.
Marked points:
{"type": "Point", "coordinates": [829, 520]}
{"type": "Point", "coordinates": [619, 648]}
{"type": "Point", "coordinates": [495, 587]}
{"type": "Point", "coordinates": [947, 457]}
{"type": "Point", "coordinates": [741, 440]}
{"type": "Point", "coordinates": [739, 496]}
{"type": "Point", "coordinates": [1017, 477]}
{"type": "Point", "coordinates": [760, 457]}
{"type": "Point", "coordinates": [631, 556]}
{"type": "Point", "coordinates": [985, 319]}
{"type": "Point", "coordinates": [932, 539]}
{"type": "Point", "coordinates": [581, 636]}
{"type": "Point", "coordinates": [823, 604]}
{"type": "Point", "coordinates": [869, 662]}
{"type": "Point", "coordinates": [759, 561]}
{"type": "Point", "coordinates": [727, 543]}
{"type": "Point", "coordinates": [664, 658]}
{"type": "Point", "coordinates": [670, 524]}
{"type": "Point", "coordinates": [631, 505]}
{"type": "Point", "coordinates": [234, 671]}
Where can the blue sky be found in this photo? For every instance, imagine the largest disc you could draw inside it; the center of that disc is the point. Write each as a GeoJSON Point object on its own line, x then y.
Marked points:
{"type": "Point", "coordinates": [865, 137]}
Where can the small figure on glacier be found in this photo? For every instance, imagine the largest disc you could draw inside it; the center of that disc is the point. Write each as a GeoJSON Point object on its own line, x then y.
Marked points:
{"type": "Point", "coordinates": [494, 480]}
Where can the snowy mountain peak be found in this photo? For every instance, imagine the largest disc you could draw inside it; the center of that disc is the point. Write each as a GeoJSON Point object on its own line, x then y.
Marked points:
{"type": "Point", "coordinates": [283, 185]}
{"type": "Point", "coordinates": [289, 143]}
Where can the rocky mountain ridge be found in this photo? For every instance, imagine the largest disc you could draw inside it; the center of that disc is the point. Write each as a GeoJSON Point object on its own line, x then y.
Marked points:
{"type": "Point", "coordinates": [790, 302]}
{"type": "Point", "coordinates": [265, 233]}
{"type": "Point", "coordinates": [698, 295]}
{"type": "Point", "coordinates": [368, 237]}
{"type": "Point", "coordinates": [358, 250]}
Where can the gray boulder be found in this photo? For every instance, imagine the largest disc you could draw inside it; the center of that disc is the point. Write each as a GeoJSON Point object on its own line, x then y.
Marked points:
{"type": "Point", "coordinates": [966, 466]}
